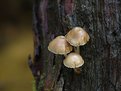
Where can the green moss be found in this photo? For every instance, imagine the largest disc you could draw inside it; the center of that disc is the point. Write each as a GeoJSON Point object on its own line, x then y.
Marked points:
{"type": "Point", "coordinates": [34, 86]}
{"type": "Point", "coordinates": [41, 83]}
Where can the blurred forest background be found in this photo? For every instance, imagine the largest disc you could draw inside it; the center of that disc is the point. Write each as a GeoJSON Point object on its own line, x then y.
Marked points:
{"type": "Point", "coordinates": [16, 43]}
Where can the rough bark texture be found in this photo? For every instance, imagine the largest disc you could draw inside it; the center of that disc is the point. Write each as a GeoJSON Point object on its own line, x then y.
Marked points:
{"type": "Point", "coordinates": [102, 54]}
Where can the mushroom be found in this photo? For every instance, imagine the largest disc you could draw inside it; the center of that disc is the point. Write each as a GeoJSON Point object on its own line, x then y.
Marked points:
{"type": "Point", "coordinates": [74, 60]}
{"type": "Point", "coordinates": [77, 37]}
{"type": "Point", "coordinates": [59, 45]}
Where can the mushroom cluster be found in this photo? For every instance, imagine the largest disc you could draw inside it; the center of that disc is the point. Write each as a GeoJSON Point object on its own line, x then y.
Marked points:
{"type": "Point", "coordinates": [63, 45]}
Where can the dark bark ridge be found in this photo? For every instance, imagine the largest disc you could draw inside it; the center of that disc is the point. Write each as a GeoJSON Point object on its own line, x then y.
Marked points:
{"type": "Point", "coordinates": [102, 20]}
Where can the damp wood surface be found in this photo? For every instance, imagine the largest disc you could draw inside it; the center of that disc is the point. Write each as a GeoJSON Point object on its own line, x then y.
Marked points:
{"type": "Point", "coordinates": [102, 20]}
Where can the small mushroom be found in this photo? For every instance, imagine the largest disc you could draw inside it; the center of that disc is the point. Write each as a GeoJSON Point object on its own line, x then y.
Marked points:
{"type": "Point", "coordinates": [73, 60]}
{"type": "Point", "coordinates": [77, 37]}
{"type": "Point", "coordinates": [59, 45]}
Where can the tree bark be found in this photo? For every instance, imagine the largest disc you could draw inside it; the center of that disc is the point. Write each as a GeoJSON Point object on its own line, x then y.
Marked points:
{"type": "Point", "coordinates": [102, 54]}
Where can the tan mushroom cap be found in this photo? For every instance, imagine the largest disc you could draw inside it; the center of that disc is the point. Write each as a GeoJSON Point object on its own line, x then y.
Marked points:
{"type": "Point", "coordinates": [73, 60]}
{"type": "Point", "coordinates": [77, 36]}
{"type": "Point", "coordinates": [59, 45]}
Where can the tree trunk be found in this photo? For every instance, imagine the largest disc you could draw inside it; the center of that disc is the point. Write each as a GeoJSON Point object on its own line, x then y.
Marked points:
{"type": "Point", "coordinates": [102, 54]}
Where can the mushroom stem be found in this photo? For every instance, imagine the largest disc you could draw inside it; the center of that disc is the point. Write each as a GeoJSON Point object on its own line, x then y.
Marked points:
{"type": "Point", "coordinates": [77, 70]}
{"type": "Point", "coordinates": [77, 49]}
{"type": "Point", "coordinates": [65, 55]}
